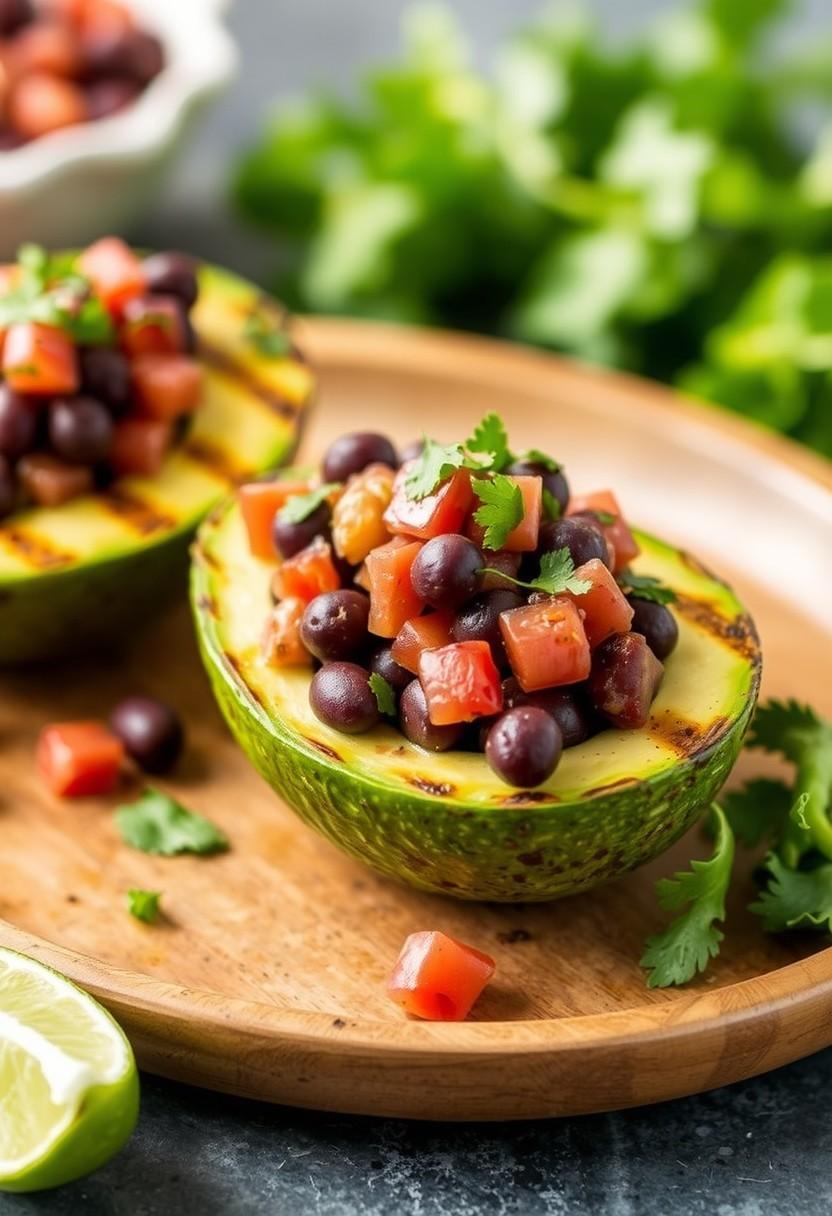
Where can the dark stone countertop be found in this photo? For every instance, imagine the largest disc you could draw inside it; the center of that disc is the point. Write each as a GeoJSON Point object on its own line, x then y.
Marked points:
{"type": "Point", "coordinates": [757, 1149]}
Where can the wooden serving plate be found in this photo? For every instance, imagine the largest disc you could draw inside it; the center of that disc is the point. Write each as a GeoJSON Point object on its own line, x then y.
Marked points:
{"type": "Point", "coordinates": [266, 975]}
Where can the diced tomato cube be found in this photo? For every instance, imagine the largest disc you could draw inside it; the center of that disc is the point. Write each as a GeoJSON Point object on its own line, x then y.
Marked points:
{"type": "Point", "coordinates": [260, 501]}
{"type": "Point", "coordinates": [114, 270]}
{"type": "Point", "coordinates": [392, 598]}
{"type": "Point", "coordinates": [140, 446]}
{"type": "Point", "coordinates": [281, 643]}
{"type": "Point", "coordinates": [439, 978]}
{"type": "Point", "coordinates": [421, 633]}
{"type": "Point", "coordinates": [523, 538]}
{"type": "Point", "coordinates": [40, 103]}
{"type": "Point", "coordinates": [546, 644]}
{"type": "Point", "coordinates": [76, 759]}
{"type": "Point", "coordinates": [309, 573]}
{"type": "Point", "coordinates": [443, 511]}
{"type": "Point", "coordinates": [460, 682]}
{"type": "Point", "coordinates": [152, 325]}
{"type": "Point", "coordinates": [604, 609]}
{"type": "Point", "coordinates": [47, 46]}
{"type": "Point", "coordinates": [49, 482]}
{"type": "Point", "coordinates": [617, 533]}
{"type": "Point", "coordinates": [166, 386]}
{"type": "Point", "coordinates": [40, 359]}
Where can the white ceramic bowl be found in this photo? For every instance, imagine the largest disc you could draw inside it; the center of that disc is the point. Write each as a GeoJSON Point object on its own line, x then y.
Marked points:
{"type": "Point", "coordinates": [73, 185]}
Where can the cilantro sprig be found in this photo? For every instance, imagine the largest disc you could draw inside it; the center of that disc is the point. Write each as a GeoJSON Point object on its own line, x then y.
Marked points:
{"type": "Point", "coordinates": [157, 823]}
{"type": "Point", "coordinates": [265, 328]}
{"type": "Point", "coordinates": [491, 441]}
{"type": "Point", "coordinates": [644, 587]}
{"type": "Point", "coordinates": [557, 574]}
{"type": "Point", "coordinates": [301, 506]}
{"type": "Point", "coordinates": [143, 905]}
{"type": "Point", "coordinates": [382, 690]}
{"type": "Point", "coordinates": [689, 942]}
{"type": "Point", "coordinates": [501, 510]}
{"type": "Point", "coordinates": [50, 291]}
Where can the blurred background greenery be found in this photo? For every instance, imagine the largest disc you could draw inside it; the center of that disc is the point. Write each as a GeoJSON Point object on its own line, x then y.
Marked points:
{"type": "Point", "coordinates": [662, 205]}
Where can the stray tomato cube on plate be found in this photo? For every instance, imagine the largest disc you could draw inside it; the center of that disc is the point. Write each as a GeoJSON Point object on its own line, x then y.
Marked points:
{"type": "Point", "coordinates": [140, 446]}
{"type": "Point", "coordinates": [392, 598]}
{"type": "Point", "coordinates": [443, 511]}
{"type": "Point", "coordinates": [604, 609]}
{"type": "Point", "coordinates": [617, 533]}
{"type": "Point", "coordinates": [116, 273]}
{"type": "Point", "coordinates": [523, 538]}
{"type": "Point", "coordinates": [152, 325]}
{"type": "Point", "coordinates": [78, 759]}
{"type": "Point", "coordinates": [40, 360]}
{"type": "Point", "coordinates": [461, 682]}
{"type": "Point", "coordinates": [308, 574]}
{"type": "Point", "coordinates": [546, 644]}
{"type": "Point", "coordinates": [421, 633]}
{"type": "Point", "coordinates": [49, 482]}
{"type": "Point", "coordinates": [439, 978]}
{"type": "Point", "coordinates": [166, 386]}
{"type": "Point", "coordinates": [259, 502]}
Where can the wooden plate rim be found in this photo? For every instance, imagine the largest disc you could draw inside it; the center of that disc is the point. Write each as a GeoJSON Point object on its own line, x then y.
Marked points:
{"type": "Point", "coordinates": [788, 990]}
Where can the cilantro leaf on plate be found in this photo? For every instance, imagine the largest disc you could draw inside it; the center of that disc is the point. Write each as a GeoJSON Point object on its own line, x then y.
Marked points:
{"type": "Point", "coordinates": [144, 905]}
{"type": "Point", "coordinates": [490, 439]}
{"type": "Point", "coordinates": [501, 510]}
{"type": "Point", "coordinates": [157, 823]}
{"type": "Point", "coordinates": [795, 899]}
{"type": "Point", "coordinates": [685, 947]}
{"type": "Point", "coordinates": [432, 467]}
{"type": "Point", "coordinates": [758, 811]}
{"type": "Point", "coordinates": [382, 690]}
{"type": "Point", "coordinates": [301, 506]}
{"type": "Point", "coordinates": [646, 588]}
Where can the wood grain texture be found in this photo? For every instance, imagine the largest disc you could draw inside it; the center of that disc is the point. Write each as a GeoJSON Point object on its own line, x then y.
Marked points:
{"type": "Point", "coordinates": [265, 976]}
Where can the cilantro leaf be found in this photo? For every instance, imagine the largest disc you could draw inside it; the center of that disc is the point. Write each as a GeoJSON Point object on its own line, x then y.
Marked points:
{"type": "Point", "coordinates": [685, 947]}
{"type": "Point", "coordinates": [758, 811]}
{"type": "Point", "coordinates": [382, 690]}
{"type": "Point", "coordinates": [551, 506]}
{"type": "Point", "coordinates": [643, 587]}
{"type": "Point", "coordinates": [535, 456]}
{"type": "Point", "coordinates": [805, 739]}
{"type": "Point", "coordinates": [557, 574]}
{"type": "Point", "coordinates": [501, 510]}
{"type": "Point", "coordinates": [605, 517]}
{"type": "Point", "coordinates": [301, 506]}
{"type": "Point", "coordinates": [795, 899]}
{"type": "Point", "coordinates": [156, 823]}
{"type": "Point", "coordinates": [490, 438]}
{"type": "Point", "coordinates": [265, 329]}
{"type": "Point", "coordinates": [144, 905]}
{"type": "Point", "coordinates": [432, 467]}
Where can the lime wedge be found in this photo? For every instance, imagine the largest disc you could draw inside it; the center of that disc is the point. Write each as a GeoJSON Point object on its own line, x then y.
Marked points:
{"type": "Point", "coordinates": [69, 1091]}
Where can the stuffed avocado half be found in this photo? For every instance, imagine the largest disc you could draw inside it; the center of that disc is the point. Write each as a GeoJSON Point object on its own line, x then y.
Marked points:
{"type": "Point", "coordinates": [445, 822]}
{"type": "Point", "coordinates": [81, 573]}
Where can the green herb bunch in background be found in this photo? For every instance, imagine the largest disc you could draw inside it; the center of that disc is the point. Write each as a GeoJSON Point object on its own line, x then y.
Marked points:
{"type": "Point", "coordinates": [664, 206]}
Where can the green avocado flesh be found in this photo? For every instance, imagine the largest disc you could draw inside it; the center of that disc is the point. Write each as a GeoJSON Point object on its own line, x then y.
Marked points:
{"type": "Point", "coordinates": [445, 822]}
{"type": "Point", "coordinates": [84, 574]}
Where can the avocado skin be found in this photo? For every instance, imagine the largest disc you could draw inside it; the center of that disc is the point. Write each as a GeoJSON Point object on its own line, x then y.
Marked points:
{"type": "Point", "coordinates": [502, 853]}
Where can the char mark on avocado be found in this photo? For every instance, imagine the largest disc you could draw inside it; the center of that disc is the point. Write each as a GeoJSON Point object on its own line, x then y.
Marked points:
{"type": "Point", "coordinates": [620, 784]}
{"type": "Point", "coordinates": [34, 549]}
{"type": "Point", "coordinates": [738, 633]}
{"type": "Point", "coordinates": [526, 798]}
{"type": "Point", "coordinates": [324, 749]}
{"type": "Point", "coordinates": [212, 458]}
{"type": "Point", "coordinates": [440, 789]}
{"type": "Point", "coordinates": [687, 738]}
{"type": "Point", "coordinates": [221, 362]}
{"type": "Point", "coordinates": [135, 512]}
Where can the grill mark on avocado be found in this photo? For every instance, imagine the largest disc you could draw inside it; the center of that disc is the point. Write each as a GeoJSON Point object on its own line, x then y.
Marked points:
{"type": "Point", "coordinates": [211, 458]}
{"type": "Point", "coordinates": [222, 362]}
{"type": "Point", "coordinates": [35, 550]}
{"type": "Point", "coordinates": [136, 513]}
{"type": "Point", "coordinates": [526, 798]}
{"type": "Point", "coordinates": [207, 603]}
{"type": "Point", "coordinates": [687, 738]}
{"type": "Point", "coordinates": [441, 789]}
{"type": "Point", "coordinates": [618, 784]}
{"type": "Point", "coordinates": [738, 633]}
{"type": "Point", "coordinates": [324, 749]}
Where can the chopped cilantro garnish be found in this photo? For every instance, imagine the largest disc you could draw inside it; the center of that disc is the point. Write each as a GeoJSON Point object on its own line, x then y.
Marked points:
{"type": "Point", "coordinates": [432, 467]}
{"type": "Point", "coordinates": [50, 291]}
{"type": "Point", "coordinates": [795, 899]}
{"type": "Point", "coordinates": [551, 506]}
{"type": "Point", "coordinates": [144, 905]}
{"type": "Point", "coordinates": [491, 440]}
{"type": "Point", "coordinates": [557, 574]}
{"type": "Point", "coordinates": [643, 587]}
{"type": "Point", "coordinates": [535, 456]}
{"type": "Point", "coordinates": [301, 506]}
{"type": "Point", "coordinates": [265, 329]}
{"type": "Point", "coordinates": [156, 823]}
{"type": "Point", "coordinates": [382, 690]}
{"type": "Point", "coordinates": [501, 510]}
{"type": "Point", "coordinates": [605, 517]}
{"type": "Point", "coordinates": [689, 942]}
